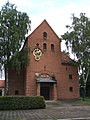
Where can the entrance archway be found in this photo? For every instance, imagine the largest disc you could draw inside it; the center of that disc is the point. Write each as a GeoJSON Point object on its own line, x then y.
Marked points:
{"type": "Point", "coordinates": [46, 90]}
{"type": "Point", "coordinates": [46, 87]}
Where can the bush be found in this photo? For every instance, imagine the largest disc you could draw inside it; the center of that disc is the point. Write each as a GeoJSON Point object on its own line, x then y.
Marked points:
{"type": "Point", "coordinates": [21, 102]}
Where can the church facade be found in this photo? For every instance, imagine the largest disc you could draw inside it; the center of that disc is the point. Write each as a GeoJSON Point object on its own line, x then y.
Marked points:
{"type": "Point", "coordinates": [50, 73]}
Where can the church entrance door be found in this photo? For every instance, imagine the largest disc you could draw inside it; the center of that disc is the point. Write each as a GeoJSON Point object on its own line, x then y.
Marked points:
{"type": "Point", "coordinates": [45, 92]}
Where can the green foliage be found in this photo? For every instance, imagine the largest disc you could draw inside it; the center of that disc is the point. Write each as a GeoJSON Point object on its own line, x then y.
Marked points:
{"type": "Point", "coordinates": [78, 40]}
{"type": "Point", "coordinates": [14, 25]}
{"type": "Point", "coordinates": [86, 101]}
{"type": "Point", "coordinates": [65, 52]}
{"type": "Point", "coordinates": [21, 102]}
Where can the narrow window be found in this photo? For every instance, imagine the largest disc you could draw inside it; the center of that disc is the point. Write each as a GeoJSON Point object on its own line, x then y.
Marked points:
{"type": "Point", "coordinates": [71, 89]}
{"type": "Point", "coordinates": [66, 68]}
{"type": "Point", "coordinates": [44, 35]}
{"type": "Point", "coordinates": [16, 92]}
{"type": "Point", "coordinates": [45, 46]}
{"type": "Point", "coordinates": [70, 76]}
{"type": "Point", "coordinates": [52, 47]}
{"type": "Point", "coordinates": [44, 67]}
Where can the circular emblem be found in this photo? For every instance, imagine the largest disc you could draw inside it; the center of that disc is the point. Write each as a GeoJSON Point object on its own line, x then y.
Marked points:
{"type": "Point", "coordinates": [37, 53]}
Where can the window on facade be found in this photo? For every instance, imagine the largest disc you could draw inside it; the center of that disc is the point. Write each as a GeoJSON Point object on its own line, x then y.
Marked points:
{"type": "Point", "coordinates": [44, 35]}
{"type": "Point", "coordinates": [45, 46]}
{"type": "Point", "coordinates": [70, 76]}
{"type": "Point", "coordinates": [66, 68]}
{"type": "Point", "coordinates": [16, 92]}
{"type": "Point", "coordinates": [71, 89]}
{"type": "Point", "coordinates": [44, 67]}
{"type": "Point", "coordinates": [52, 47]}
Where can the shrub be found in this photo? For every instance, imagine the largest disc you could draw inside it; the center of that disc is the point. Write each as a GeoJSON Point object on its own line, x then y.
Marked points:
{"type": "Point", "coordinates": [21, 102]}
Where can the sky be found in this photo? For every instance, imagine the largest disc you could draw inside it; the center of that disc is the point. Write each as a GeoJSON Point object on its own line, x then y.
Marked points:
{"type": "Point", "coordinates": [56, 12]}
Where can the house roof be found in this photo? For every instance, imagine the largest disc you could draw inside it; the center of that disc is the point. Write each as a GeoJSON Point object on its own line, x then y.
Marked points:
{"type": "Point", "coordinates": [2, 83]}
{"type": "Point", "coordinates": [44, 21]}
{"type": "Point", "coordinates": [65, 59]}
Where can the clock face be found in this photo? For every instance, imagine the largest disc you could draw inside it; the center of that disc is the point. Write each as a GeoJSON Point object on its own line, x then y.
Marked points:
{"type": "Point", "coordinates": [37, 53]}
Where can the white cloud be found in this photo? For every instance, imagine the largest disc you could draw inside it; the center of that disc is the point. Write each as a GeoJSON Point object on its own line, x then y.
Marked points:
{"type": "Point", "coordinates": [56, 12]}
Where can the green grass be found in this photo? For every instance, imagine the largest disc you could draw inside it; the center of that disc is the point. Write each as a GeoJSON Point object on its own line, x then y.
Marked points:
{"type": "Point", "coordinates": [85, 101]}
{"type": "Point", "coordinates": [81, 101]}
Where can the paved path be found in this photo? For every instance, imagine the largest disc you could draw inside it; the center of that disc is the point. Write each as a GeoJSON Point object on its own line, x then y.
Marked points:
{"type": "Point", "coordinates": [53, 111]}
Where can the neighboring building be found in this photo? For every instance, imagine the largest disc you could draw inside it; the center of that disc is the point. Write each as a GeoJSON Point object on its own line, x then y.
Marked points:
{"type": "Point", "coordinates": [50, 73]}
{"type": "Point", "coordinates": [2, 84]}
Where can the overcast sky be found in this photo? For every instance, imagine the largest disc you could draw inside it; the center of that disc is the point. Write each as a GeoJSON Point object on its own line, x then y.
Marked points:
{"type": "Point", "coordinates": [56, 12]}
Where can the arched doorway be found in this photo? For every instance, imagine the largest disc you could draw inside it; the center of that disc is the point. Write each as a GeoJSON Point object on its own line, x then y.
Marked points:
{"type": "Point", "coordinates": [46, 90]}
{"type": "Point", "coordinates": [46, 87]}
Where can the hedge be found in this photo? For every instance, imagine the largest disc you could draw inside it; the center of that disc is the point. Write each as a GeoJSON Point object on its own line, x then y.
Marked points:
{"type": "Point", "coordinates": [21, 102]}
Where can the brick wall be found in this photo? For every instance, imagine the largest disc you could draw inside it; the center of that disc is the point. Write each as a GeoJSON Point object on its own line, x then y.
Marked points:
{"type": "Point", "coordinates": [50, 63]}
{"type": "Point", "coordinates": [15, 83]}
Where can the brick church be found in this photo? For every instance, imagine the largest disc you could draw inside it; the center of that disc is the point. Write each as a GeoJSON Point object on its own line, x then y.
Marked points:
{"type": "Point", "coordinates": [50, 73]}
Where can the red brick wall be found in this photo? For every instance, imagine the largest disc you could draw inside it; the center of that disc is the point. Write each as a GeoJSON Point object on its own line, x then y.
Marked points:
{"type": "Point", "coordinates": [66, 82]}
{"type": "Point", "coordinates": [49, 59]}
{"type": "Point", "coordinates": [2, 83]}
{"type": "Point", "coordinates": [16, 82]}
{"type": "Point", "coordinates": [50, 63]}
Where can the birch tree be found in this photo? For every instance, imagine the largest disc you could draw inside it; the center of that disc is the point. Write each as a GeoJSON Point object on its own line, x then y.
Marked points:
{"type": "Point", "coordinates": [14, 25]}
{"type": "Point", "coordinates": [77, 38]}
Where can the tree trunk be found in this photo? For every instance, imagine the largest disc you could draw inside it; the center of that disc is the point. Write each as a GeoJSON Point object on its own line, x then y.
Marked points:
{"type": "Point", "coordinates": [85, 81]}
{"type": "Point", "coordinates": [6, 82]}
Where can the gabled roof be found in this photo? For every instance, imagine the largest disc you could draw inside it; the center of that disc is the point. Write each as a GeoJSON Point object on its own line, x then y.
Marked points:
{"type": "Point", "coordinates": [65, 59]}
{"type": "Point", "coordinates": [44, 21]}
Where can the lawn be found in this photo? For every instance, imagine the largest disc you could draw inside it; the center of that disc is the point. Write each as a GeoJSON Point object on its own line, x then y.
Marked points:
{"type": "Point", "coordinates": [76, 102]}
{"type": "Point", "coordinates": [85, 101]}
